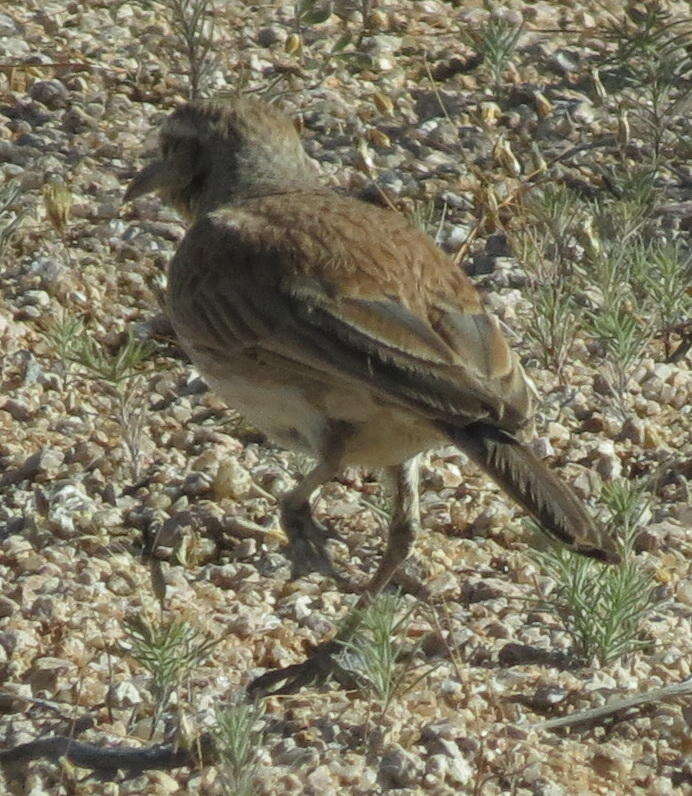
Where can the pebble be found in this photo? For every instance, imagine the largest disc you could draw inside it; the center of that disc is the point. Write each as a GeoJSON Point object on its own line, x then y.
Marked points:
{"type": "Point", "coordinates": [232, 480]}
{"type": "Point", "coordinates": [51, 93]}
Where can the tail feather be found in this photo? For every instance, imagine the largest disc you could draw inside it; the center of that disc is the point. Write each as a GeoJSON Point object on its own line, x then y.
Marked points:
{"type": "Point", "coordinates": [534, 487]}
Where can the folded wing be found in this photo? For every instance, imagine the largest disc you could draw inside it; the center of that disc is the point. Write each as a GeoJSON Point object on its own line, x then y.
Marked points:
{"type": "Point", "coordinates": [448, 361]}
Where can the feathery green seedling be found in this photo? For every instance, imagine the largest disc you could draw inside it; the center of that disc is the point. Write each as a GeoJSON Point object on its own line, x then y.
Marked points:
{"type": "Point", "coordinates": [238, 737]}
{"type": "Point", "coordinates": [169, 652]}
{"type": "Point", "coordinates": [10, 215]}
{"type": "Point", "coordinates": [553, 324]}
{"type": "Point", "coordinates": [602, 607]}
{"type": "Point", "coordinates": [373, 655]}
{"type": "Point", "coordinates": [649, 60]}
{"type": "Point", "coordinates": [425, 216]}
{"type": "Point", "coordinates": [624, 337]}
{"type": "Point", "coordinates": [496, 42]}
{"type": "Point", "coordinates": [626, 501]}
{"type": "Point", "coordinates": [118, 374]}
{"type": "Point", "coordinates": [666, 284]}
{"type": "Point", "coordinates": [545, 245]}
{"type": "Point", "coordinates": [193, 26]}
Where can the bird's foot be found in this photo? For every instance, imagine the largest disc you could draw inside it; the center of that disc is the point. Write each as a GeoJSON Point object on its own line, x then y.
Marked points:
{"type": "Point", "coordinates": [307, 546]}
{"type": "Point", "coordinates": [315, 670]}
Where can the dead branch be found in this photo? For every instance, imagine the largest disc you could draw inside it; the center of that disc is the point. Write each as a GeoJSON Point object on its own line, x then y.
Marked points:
{"type": "Point", "coordinates": [592, 714]}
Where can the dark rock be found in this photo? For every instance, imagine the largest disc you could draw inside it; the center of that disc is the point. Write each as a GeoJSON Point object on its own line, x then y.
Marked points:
{"type": "Point", "coordinates": [51, 93]}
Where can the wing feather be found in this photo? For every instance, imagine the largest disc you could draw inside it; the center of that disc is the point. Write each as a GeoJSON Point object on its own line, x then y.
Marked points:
{"type": "Point", "coordinates": [450, 363]}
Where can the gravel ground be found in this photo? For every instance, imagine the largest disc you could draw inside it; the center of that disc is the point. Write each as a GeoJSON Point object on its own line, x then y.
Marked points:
{"type": "Point", "coordinates": [82, 88]}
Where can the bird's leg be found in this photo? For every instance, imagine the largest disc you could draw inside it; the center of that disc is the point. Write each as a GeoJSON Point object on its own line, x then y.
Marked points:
{"type": "Point", "coordinates": [306, 536]}
{"type": "Point", "coordinates": [321, 663]}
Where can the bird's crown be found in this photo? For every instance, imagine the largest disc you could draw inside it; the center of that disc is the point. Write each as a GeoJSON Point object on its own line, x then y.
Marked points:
{"type": "Point", "coordinates": [213, 153]}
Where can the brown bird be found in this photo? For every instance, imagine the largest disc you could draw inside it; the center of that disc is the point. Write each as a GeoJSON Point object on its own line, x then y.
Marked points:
{"type": "Point", "coordinates": [338, 328]}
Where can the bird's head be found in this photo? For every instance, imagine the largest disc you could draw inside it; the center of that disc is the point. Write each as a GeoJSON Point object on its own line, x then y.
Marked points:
{"type": "Point", "coordinates": [214, 153]}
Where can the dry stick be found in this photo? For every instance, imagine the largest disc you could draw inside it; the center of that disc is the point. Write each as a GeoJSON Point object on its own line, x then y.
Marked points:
{"type": "Point", "coordinates": [87, 755]}
{"type": "Point", "coordinates": [580, 717]}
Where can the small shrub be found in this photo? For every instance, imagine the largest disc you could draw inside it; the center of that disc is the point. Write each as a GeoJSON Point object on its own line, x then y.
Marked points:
{"type": "Point", "coordinates": [238, 740]}
{"type": "Point", "coordinates": [10, 215]}
{"type": "Point", "coordinates": [650, 64]}
{"type": "Point", "coordinates": [545, 245]}
{"type": "Point", "coordinates": [602, 607]}
{"type": "Point", "coordinates": [496, 41]}
{"type": "Point", "coordinates": [169, 652]}
{"type": "Point", "coordinates": [118, 375]}
{"type": "Point", "coordinates": [193, 26]}
{"type": "Point", "coordinates": [624, 337]}
{"type": "Point", "coordinates": [374, 657]}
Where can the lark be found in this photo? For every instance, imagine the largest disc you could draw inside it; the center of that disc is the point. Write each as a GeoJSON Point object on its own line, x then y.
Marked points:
{"type": "Point", "coordinates": [339, 329]}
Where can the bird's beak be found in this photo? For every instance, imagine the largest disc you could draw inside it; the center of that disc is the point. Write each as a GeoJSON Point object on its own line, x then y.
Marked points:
{"type": "Point", "coordinates": [149, 179]}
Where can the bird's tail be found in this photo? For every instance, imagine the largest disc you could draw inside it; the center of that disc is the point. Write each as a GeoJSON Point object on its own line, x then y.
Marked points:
{"type": "Point", "coordinates": [534, 487]}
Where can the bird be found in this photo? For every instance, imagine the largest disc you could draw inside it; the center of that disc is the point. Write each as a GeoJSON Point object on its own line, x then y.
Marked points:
{"type": "Point", "coordinates": [340, 329]}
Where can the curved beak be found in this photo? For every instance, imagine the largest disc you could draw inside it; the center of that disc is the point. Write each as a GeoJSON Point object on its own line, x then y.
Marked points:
{"type": "Point", "coordinates": [151, 178]}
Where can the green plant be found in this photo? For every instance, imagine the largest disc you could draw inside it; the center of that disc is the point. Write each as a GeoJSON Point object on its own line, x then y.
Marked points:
{"type": "Point", "coordinates": [624, 337]}
{"type": "Point", "coordinates": [425, 215]}
{"type": "Point", "coordinates": [10, 216]}
{"type": "Point", "coordinates": [553, 324]}
{"type": "Point", "coordinates": [496, 42]}
{"type": "Point", "coordinates": [374, 657]}
{"type": "Point", "coordinates": [602, 607]}
{"type": "Point", "coordinates": [306, 13]}
{"type": "Point", "coordinates": [118, 374]}
{"type": "Point", "coordinates": [238, 740]}
{"type": "Point", "coordinates": [666, 285]}
{"type": "Point", "coordinates": [545, 245]}
{"type": "Point", "coordinates": [626, 502]}
{"type": "Point", "coordinates": [650, 62]}
{"type": "Point", "coordinates": [169, 652]}
{"type": "Point", "coordinates": [624, 214]}
{"type": "Point", "coordinates": [193, 26]}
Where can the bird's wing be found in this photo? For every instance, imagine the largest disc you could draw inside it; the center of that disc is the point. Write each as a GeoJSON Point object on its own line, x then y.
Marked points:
{"type": "Point", "coordinates": [238, 284]}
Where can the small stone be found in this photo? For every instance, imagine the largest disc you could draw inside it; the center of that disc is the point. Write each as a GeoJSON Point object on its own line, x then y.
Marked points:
{"type": "Point", "coordinates": [124, 695]}
{"type": "Point", "coordinates": [542, 448]}
{"type": "Point", "coordinates": [163, 783]}
{"type": "Point", "coordinates": [547, 696]}
{"type": "Point", "coordinates": [18, 408]}
{"type": "Point", "coordinates": [557, 433]}
{"type": "Point", "coordinates": [651, 439]}
{"type": "Point", "coordinates": [397, 769]}
{"type": "Point", "coordinates": [44, 462]}
{"type": "Point", "coordinates": [45, 673]}
{"type": "Point", "coordinates": [232, 480]}
{"type": "Point", "coordinates": [7, 606]}
{"type": "Point", "coordinates": [479, 592]}
{"type": "Point", "coordinates": [196, 484]}
{"type": "Point", "coordinates": [683, 592]}
{"type": "Point", "coordinates": [8, 27]}
{"type": "Point", "coordinates": [267, 37]}
{"type": "Point", "coordinates": [52, 93]}
{"type": "Point", "coordinates": [321, 780]}
{"type": "Point", "coordinates": [633, 429]}
{"type": "Point", "coordinates": [35, 298]}
{"type": "Point", "coordinates": [609, 467]}
{"type": "Point", "coordinates": [611, 763]}
{"type": "Point", "coordinates": [76, 120]}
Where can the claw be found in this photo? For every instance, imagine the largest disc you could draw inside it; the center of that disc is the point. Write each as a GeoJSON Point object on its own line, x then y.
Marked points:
{"type": "Point", "coordinates": [307, 546]}
{"type": "Point", "coordinates": [306, 558]}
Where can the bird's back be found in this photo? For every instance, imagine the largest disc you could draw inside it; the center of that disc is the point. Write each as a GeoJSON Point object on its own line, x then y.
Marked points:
{"type": "Point", "coordinates": [389, 308]}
